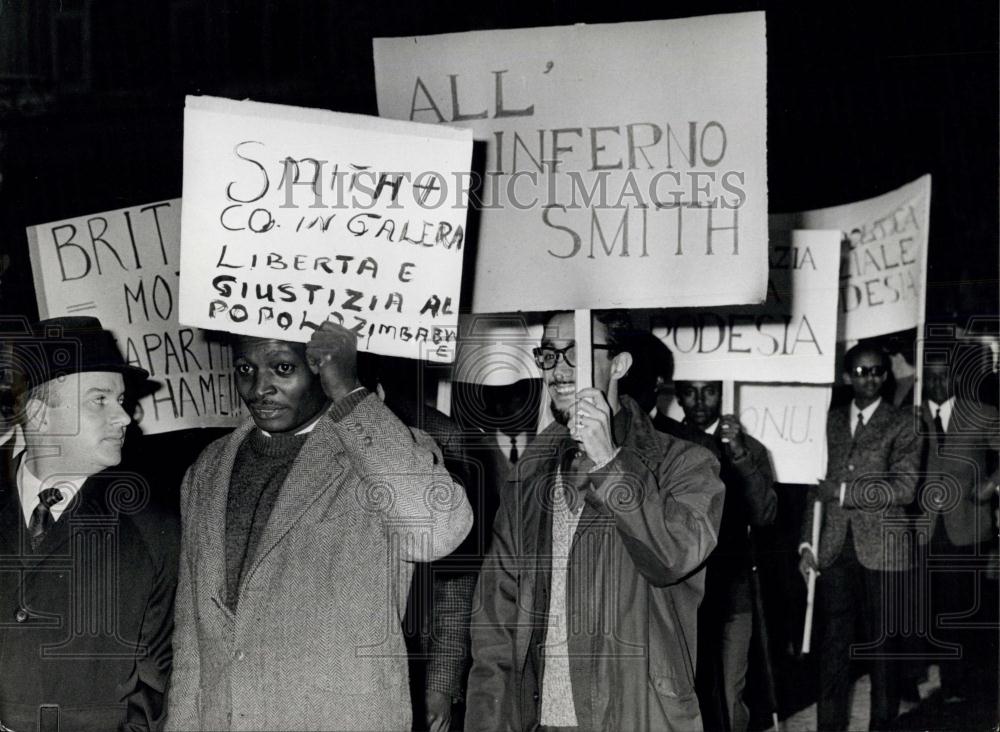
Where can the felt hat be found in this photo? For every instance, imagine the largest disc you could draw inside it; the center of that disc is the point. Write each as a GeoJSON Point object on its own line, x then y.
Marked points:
{"type": "Point", "coordinates": [70, 345]}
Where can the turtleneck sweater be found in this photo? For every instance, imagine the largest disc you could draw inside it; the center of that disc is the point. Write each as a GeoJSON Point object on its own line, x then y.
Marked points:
{"type": "Point", "coordinates": [262, 464]}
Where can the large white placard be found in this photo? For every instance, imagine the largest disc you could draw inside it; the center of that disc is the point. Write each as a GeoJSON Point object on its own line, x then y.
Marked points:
{"type": "Point", "coordinates": [790, 420]}
{"type": "Point", "coordinates": [121, 266]}
{"type": "Point", "coordinates": [884, 258]}
{"type": "Point", "coordinates": [295, 216]}
{"type": "Point", "coordinates": [623, 165]}
{"type": "Point", "coordinates": [789, 338]}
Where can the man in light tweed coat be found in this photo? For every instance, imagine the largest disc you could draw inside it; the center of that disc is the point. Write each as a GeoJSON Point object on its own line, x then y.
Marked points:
{"type": "Point", "coordinates": [299, 530]}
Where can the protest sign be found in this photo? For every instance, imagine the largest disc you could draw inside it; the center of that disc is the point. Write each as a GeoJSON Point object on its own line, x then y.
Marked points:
{"type": "Point", "coordinates": [121, 266]}
{"type": "Point", "coordinates": [789, 338]}
{"type": "Point", "coordinates": [790, 420]}
{"type": "Point", "coordinates": [295, 216]}
{"type": "Point", "coordinates": [884, 258]}
{"type": "Point", "coordinates": [624, 165]}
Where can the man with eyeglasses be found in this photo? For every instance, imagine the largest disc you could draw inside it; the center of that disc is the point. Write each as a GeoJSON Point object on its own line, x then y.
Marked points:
{"type": "Point", "coordinates": [588, 598]}
{"type": "Point", "coordinates": [872, 471]}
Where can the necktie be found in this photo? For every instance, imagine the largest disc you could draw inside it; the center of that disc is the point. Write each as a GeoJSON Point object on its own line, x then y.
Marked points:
{"type": "Point", "coordinates": [41, 518]}
{"type": "Point", "coordinates": [938, 427]}
{"type": "Point", "coordinates": [513, 451]}
{"type": "Point", "coordinates": [859, 427]}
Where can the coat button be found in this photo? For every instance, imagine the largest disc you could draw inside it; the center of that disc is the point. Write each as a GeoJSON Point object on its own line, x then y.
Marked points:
{"type": "Point", "coordinates": [851, 466]}
{"type": "Point", "coordinates": [239, 655]}
{"type": "Point", "coordinates": [21, 615]}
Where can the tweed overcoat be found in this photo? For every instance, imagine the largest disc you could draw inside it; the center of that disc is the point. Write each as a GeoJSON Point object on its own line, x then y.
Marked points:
{"type": "Point", "coordinates": [956, 470]}
{"type": "Point", "coordinates": [314, 642]}
{"type": "Point", "coordinates": [880, 471]}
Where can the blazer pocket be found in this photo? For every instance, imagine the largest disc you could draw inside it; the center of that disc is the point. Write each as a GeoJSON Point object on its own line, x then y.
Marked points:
{"type": "Point", "coordinates": [671, 685]}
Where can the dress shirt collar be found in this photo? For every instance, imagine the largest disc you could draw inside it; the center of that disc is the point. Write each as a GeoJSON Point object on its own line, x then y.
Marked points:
{"type": "Point", "coordinates": [503, 441]}
{"type": "Point", "coordinates": [866, 413]}
{"type": "Point", "coordinates": [944, 409]}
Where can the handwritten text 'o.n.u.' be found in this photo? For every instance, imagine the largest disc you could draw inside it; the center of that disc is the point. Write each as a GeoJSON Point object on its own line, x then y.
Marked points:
{"type": "Point", "coordinates": [789, 423]}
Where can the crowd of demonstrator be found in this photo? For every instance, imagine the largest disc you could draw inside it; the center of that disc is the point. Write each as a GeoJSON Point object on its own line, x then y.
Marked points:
{"type": "Point", "coordinates": [350, 558]}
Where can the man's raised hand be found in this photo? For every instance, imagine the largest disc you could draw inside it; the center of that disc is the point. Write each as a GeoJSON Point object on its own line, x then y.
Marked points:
{"type": "Point", "coordinates": [332, 353]}
{"type": "Point", "coordinates": [591, 425]}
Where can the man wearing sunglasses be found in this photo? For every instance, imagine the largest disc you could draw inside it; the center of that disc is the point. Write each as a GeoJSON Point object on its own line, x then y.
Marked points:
{"type": "Point", "coordinates": [872, 471]}
{"type": "Point", "coordinates": [588, 597]}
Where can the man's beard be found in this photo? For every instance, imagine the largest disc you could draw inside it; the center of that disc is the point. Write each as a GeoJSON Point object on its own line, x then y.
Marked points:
{"type": "Point", "coordinates": [561, 416]}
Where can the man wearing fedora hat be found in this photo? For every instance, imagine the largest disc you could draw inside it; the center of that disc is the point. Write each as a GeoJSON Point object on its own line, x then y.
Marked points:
{"type": "Point", "coordinates": [87, 572]}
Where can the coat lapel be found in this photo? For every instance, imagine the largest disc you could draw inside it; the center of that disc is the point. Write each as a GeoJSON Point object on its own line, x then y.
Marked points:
{"type": "Point", "coordinates": [13, 532]}
{"type": "Point", "coordinates": [879, 418]}
{"type": "Point", "coordinates": [12, 526]}
{"type": "Point", "coordinates": [211, 511]}
{"type": "Point", "coordinates": [316, 470]}
{"type": "Point", "coordinates": [964, 419]}
{"type": "Point", "coordinates": [57, 537]}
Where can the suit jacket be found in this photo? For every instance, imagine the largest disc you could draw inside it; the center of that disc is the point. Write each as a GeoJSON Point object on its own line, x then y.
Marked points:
{"type": "Point", "coordinates": [750, 501]}
{"type": "Point", "coordinates": [634, 584]}
{"type": "Point", "coordinates": [955, 471]}
{"type": "Point", "coordinates": [85, 621]}
{"type": "Point", "coordinates": [315, 640]}
{"type": "Point", "coordinates": [440, 602]}
{"type": "Point", "coordinates": [880, 471]}
{"type": "Point", "coordinates": [685, 431]}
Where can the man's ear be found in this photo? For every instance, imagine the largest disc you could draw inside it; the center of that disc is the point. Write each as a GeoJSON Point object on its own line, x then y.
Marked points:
{"type": "Point", "coordinates": [620, 365]}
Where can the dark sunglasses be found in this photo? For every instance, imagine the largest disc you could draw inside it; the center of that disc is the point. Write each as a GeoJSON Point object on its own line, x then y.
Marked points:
{"type": "Point", "coordinates": [862, 371]}
{"type": "Point", "coordinates": [546, 357]}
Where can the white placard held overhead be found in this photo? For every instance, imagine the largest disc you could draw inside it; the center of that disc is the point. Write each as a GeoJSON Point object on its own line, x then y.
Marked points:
{"type": "Point", "coordinates": [624, 164]}
{"type": "Point", "coordinates": [884, 258]}
{"type": "Point", "coordinates": [295, 216]}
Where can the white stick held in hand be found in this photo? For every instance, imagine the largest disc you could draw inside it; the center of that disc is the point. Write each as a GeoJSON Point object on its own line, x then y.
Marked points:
{"type": "Point", "coordinates": [582, 334]}
{"type": "Point", "coordinates": [811, 586]}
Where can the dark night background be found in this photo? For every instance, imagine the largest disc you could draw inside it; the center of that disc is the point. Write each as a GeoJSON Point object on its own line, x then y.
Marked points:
{"type": "Point", "coordinates": [862, 97]}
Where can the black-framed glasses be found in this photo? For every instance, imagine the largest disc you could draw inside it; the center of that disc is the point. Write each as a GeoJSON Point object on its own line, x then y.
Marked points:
{"type": "Point", "coordinates": [861, 371]}
{"type": "Point", "coordinates": [546, 357]}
